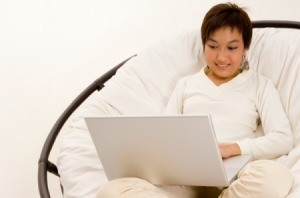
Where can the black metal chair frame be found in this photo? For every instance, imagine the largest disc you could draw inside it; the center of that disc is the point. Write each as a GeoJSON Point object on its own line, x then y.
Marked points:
{"type": "Point", "coordinates": [45, 166]}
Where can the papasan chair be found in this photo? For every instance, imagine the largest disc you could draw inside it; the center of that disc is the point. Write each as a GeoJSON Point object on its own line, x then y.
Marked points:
{"type": "Point", "coordinates": [142, 84]}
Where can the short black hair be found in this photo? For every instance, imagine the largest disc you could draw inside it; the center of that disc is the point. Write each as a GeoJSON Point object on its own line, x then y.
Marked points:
{"type": "Point", "coordinates": [227, 15]}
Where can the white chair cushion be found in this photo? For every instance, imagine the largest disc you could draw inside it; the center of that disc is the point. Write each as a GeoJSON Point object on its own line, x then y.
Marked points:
{"type": "Point", "coordinates": [143, 85]}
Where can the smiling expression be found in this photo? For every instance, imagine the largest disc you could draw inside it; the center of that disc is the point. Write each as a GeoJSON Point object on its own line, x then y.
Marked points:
{"type": "Point", "coordinates": [224, 51]}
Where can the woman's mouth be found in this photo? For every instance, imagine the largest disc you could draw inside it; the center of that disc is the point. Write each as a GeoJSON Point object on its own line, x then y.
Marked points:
{"type": "Point", "coordinates": [222, 66]}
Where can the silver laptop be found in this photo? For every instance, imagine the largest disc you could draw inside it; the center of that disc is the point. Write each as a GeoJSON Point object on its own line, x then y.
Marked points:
{"type": "Point", "coordinates": [172, 150]}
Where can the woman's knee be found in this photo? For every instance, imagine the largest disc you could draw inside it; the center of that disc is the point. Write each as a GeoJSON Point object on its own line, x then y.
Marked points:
{"type": "Point", "coordinates": [261, 178]}
{"type": "Point", "coordinates": [114, 187]}
{"type": "Point", "coordinates": [125, 187]}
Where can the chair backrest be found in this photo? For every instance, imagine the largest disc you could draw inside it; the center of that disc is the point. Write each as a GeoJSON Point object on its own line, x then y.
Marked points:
{"type": "Point", "coordinates": [146, 81]}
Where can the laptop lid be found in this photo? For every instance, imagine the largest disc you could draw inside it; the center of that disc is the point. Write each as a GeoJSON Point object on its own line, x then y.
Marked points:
{"type": "Point", "coordinates": [174, 150]}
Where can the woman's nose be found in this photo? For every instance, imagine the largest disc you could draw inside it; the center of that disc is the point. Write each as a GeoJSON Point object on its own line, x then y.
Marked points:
{"type": "Point", "coordinates": [222, 54]}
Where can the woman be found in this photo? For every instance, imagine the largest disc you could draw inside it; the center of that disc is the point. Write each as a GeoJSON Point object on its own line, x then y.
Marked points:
{"type": "Point", "coordinates": [237, 100]}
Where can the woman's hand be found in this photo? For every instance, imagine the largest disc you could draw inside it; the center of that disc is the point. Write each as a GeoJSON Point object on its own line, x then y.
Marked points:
{"type": "Point", "coordinates": [229, 150]}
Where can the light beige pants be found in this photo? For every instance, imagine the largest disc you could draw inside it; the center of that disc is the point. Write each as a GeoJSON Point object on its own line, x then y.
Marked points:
{"type": "Point", "coordinates": [258, 179]}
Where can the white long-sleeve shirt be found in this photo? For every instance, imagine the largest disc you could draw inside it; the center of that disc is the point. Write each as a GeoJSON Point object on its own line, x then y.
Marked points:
{"type": "Point", "coordinates": [236, 108]}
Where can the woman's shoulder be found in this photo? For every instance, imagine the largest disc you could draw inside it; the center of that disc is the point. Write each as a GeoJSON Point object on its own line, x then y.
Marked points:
{"type": "Point", "coordinates": [260, 84]}
{"type": "Point", "coordinates": [257, 78]}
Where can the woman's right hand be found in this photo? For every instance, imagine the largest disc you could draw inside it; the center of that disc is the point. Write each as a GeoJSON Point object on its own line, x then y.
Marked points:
{"type": "Point", "coordinates": [229, 150]}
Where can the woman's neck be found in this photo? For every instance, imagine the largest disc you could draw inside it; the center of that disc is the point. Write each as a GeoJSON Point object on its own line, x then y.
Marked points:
{"type": "Point", "coordinates": [217, 80]}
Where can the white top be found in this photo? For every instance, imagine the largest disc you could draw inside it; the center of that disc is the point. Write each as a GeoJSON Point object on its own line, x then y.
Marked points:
{"type": "Point", "coordinates": [236, 108]}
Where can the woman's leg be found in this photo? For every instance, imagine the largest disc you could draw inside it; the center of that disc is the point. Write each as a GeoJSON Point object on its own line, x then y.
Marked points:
{"type": "Point", "coordinates": [261, 178]}
{"type": "Point", "coordinates": [137, 188]}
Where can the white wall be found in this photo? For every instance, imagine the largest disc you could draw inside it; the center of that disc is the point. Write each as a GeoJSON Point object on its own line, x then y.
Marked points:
{"type": "Point", "coordinates": [51, 50]}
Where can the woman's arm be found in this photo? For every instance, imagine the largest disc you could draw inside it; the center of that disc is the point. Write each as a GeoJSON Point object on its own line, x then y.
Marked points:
{"type": "Point", "coordinates": [278, 138]}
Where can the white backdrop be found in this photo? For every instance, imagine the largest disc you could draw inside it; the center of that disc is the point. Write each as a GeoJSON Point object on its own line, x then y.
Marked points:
{"type": "Point", "coordinates": [51, 50]}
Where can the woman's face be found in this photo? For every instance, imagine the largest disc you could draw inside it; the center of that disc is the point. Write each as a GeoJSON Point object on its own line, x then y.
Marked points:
{"type": "Point", "coordinates": [224, 51]}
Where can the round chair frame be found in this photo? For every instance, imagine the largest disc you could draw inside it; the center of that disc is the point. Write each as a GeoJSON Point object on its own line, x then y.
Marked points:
{"type": "Point", "coordinates": [45, 166]}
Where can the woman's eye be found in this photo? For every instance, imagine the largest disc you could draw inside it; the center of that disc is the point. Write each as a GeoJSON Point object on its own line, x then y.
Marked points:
{"type": "Point", "coordinates": [232, 48]}
{"type": "Point", "coordinates": [212, 46]}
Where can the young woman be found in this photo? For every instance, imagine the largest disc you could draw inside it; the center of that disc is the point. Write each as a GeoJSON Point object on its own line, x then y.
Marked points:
{"type": "Point", "coordinates": [238, 100]}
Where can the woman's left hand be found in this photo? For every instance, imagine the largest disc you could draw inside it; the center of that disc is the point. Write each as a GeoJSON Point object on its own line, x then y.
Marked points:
{"type": "Point", "coordinates": [229, 150]}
